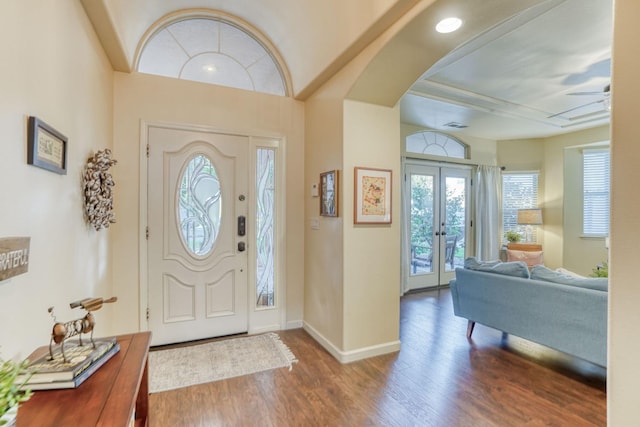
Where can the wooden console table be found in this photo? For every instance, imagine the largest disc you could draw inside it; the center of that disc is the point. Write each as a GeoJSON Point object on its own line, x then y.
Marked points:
{"type": "Point", "coordinates": [114, 395]}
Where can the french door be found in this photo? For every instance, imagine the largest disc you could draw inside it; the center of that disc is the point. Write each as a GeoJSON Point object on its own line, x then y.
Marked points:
{"type": "Point", "coordinates": [197, 209]}
{"type": "Point", "coordinates": [437, 222]}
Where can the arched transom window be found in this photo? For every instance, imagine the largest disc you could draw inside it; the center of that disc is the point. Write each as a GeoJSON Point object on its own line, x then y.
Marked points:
{"type": "Point", "coordinates": [214, 51]}
{"type": "Point", "coordinates": [436, 144]}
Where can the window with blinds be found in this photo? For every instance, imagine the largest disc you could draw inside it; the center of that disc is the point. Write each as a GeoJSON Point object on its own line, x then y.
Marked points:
{"type": "Point", "coordinates": [519, 191]}
{"type": "Point", "coordinates": [595, 181]}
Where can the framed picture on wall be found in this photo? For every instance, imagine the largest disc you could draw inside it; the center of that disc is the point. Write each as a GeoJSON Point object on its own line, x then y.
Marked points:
{"type": "Point", "coordinates": [372, 196]}
{"type": "Point", "coordinates": [329, 193]}
{"type": "Point", "coordinates": [46, 147]}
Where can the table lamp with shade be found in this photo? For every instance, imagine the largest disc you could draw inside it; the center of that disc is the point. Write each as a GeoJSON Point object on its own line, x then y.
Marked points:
{"type": "Point", "coordinates": [529, 217]}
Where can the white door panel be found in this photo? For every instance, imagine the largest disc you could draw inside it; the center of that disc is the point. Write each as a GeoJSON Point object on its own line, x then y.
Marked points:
{"type": "Point", "coordinates": [438, 223]}
{"type": "Point", "coordinates": [197, 275]}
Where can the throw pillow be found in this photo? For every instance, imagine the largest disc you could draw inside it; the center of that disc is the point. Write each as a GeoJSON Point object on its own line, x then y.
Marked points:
{"type": "Point", "coordinates": [515, 268]}
{"type": "Point", "coordinates": [540, 272]}
{"type": "Point", "coordinates": [530, 258]}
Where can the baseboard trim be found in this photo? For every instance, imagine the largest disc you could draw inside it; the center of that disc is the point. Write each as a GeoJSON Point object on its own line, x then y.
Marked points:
{"type": "Point", "coordinates": [294, 324]}
{"type": "Point", "coordinates": [351, 355]}
{"type": "Point", "coordinates": [264, 329]}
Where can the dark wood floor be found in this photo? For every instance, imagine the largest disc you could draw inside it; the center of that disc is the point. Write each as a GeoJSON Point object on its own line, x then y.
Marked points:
{"type": "Point", "coordinates": [438, 378]}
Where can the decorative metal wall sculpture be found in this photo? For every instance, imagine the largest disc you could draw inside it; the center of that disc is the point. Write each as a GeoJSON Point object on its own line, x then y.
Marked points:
{"type": "Point", "coordinates": [98, 190]}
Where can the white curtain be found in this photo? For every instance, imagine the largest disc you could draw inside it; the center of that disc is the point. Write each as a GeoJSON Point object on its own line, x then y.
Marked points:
{"type": "Point", "coordinates": [488, 212]}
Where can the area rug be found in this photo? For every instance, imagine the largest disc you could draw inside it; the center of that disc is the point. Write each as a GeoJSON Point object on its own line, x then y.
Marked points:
{"type": "Point", "coordinates": [202, 363]}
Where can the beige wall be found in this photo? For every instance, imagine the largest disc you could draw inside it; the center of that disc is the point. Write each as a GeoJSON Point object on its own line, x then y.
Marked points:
{"type": "Point", "coordinates": [623, 375]}
{"type": "Point", "coordinates": [323, 295]}
{"type": "Point", "coordinates": [158, 99]}
{"type": "Point", "coordinates": [581, 254]}
{"type": "Point", "coordinates": [53, 68]}
{"type": "Point", "coordinates": [522, 155]}
{"type": "Point", "coordinates": [337, 312]}
{"type": "Point", "coordinates": [371, 252]}
{"type": "Point", "coordinates": [351, 302]}
{"type": "Point", "coordinates": [560, 192]}
{"type": "Point", "coordinates": [563, 245]}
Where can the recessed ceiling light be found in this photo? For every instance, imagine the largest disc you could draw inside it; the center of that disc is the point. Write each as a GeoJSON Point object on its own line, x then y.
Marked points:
{"type": "Point", "coordinates": [448, 25]}
{"type": "Point", "coordinates": [210, 68]}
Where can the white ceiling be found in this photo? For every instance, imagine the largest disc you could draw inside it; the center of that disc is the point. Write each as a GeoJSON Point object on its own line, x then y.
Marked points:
{"type": "Point", "coordinates": [515, 80]}
{"type": "Point", "coordinates": [297, 28]}
{"type": "Point", "coordinates": [511, 80]}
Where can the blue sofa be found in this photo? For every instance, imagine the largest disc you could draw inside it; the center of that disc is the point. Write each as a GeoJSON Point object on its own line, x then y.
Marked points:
{"type": "Point", "coordinates": [570, 316]}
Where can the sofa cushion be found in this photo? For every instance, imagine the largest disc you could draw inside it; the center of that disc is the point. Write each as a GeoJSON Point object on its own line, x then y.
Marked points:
{"type": "Point", "coordinates": [530, 258]}
{"type": "Point", "coordinates": [472, 263]}
{"type": "Point", "coordinates": [540, 272]}
{"type": "Point", "coordinates": [569, 272]}
{"type": "Point", "coordinates": [515, 268]}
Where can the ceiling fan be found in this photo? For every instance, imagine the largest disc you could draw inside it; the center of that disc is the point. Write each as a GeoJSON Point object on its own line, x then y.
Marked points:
{"type": "Point", "coordinates": [605, 92]}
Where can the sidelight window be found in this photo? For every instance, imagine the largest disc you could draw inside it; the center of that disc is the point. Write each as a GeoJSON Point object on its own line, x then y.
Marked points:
{"type": "Point", "coordinates": [265, 227]}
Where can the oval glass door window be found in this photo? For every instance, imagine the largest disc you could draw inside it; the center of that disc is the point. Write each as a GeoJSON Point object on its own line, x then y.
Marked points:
{"type": "Point", "coordinates": [199, 206]}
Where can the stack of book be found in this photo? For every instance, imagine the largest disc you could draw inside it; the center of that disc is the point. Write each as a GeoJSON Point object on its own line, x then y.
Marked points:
{"type": "Point", "coordinates": [82, 362]}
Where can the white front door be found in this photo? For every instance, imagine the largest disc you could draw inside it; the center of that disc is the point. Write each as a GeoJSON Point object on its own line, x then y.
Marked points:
{"type": "Point", "coordinates": [196, 249]}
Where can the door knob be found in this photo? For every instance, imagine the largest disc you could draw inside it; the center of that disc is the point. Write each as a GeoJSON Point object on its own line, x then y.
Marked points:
{"type": "Point", "coordinates": [241, 247]}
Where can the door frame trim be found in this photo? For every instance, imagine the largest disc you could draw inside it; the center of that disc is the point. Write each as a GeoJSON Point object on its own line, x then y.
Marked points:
{"type": "Point", "coordinates": [408, 161]}
{"type": "Point", "coordinates": [254, 141]}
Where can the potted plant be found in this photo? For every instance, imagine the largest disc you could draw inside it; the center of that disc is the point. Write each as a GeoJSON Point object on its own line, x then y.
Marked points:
{"type": "Point", "coordinates": [12, 393]}
{"type": "Point", "coordinates": [512, 236]}
{"type": "Point", "coordinates": [602, 270]}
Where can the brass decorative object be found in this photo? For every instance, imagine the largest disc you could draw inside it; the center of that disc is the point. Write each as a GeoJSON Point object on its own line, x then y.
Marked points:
{"type": "Point", "coordinates": [62, 331]}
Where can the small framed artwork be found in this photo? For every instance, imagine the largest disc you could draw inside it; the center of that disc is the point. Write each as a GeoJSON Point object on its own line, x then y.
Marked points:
{"type": "Point", "coordinates": [372, 196]}
{"type": "Point", "coordinates": [46, 147]}
{"type": "Point", "coordinates": [329, 193]}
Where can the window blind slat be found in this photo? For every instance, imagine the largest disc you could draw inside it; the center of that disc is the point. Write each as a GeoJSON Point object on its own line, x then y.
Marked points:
{"type": "Point", "coordinates": [519, 191]}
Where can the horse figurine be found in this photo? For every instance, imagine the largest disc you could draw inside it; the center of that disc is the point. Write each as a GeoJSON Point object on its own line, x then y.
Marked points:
{"type": "Point", "coordinates": [64, 330]}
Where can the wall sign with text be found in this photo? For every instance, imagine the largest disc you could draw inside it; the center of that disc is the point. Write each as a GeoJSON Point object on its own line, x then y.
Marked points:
{"type": "Point", "coordinates": [14, 256]}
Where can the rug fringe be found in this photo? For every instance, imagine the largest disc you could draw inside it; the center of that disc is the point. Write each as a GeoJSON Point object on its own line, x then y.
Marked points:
{"type": "Point", "coordinates": [284, 349]}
